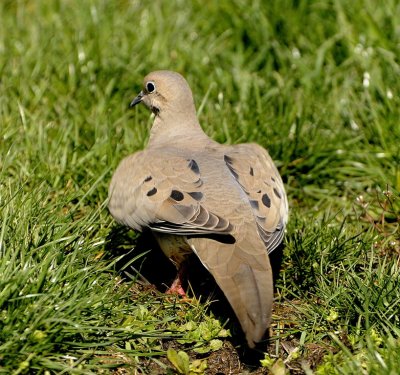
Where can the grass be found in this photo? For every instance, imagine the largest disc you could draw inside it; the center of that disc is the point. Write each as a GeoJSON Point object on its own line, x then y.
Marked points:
{"type": "Point", "coordinates": [314, 82]}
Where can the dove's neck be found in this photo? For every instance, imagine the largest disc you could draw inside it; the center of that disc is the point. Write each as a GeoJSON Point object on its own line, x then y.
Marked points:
{"type": "Point", "coordinates": [175, 127]}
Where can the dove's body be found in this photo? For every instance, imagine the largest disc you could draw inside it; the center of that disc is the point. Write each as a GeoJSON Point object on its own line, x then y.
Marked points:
{"type": "Point", "coordinates": [225, 203]}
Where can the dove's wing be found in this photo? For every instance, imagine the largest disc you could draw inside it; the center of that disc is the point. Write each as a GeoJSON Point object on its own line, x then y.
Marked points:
{"type": "Point", "coordinates": [254, 170]}
{"type": "Point", "coordinates": [163, 194]}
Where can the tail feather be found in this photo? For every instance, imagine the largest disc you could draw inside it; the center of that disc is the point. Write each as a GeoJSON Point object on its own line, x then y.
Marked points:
{"type": "Point", "coordinates": [244, 274]}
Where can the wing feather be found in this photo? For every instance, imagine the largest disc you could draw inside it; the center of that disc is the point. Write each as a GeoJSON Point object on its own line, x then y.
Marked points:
{"type": "Point", "coordinates": [254, 170]}
{"type": "Point", "coordinates": [164, 195]}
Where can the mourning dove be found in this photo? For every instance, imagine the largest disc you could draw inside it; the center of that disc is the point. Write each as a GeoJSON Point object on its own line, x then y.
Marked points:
{"type": "Point", "coordinates": [227, 204]}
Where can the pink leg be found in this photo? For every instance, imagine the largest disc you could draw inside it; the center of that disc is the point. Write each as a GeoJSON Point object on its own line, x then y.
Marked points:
{"type": "Point", "coordinates": [176, 287]}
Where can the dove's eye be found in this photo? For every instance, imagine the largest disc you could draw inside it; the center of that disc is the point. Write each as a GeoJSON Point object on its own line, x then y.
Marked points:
{"type": "Point", "coordinates": [150, 87]}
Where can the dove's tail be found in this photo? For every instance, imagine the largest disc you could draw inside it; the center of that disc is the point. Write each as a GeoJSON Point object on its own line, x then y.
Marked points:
{"type": "Point", "coordinates": [244, 274]}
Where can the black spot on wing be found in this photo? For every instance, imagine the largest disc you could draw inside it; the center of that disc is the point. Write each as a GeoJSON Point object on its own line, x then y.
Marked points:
{"type": "Point", "coordinates": [277, 193]}
{"type": "Point", "coordinates": [251, 171]}
{"type": "Point", "coordinates": [266, 200]}
{"type": "Point", "coordinates": [194, 166]}
{"type": "Point", "coordinates": [151, 192]}
{"type": "Point", "coordinates": [148, 178]}
{"type": "Point", "coordinates": [197, 195]}
{"type": "Point", "coordinates": [176, 195]}
{"type": "Point", "coordinates": [228, 161]}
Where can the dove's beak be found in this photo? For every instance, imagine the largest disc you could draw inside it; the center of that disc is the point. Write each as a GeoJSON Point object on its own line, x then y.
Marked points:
{"type": "Point", "coordinates": [137, 100]}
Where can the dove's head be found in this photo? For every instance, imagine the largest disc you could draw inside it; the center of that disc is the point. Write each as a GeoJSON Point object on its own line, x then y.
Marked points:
{"type": "Point", "coordinates": [164, 91]}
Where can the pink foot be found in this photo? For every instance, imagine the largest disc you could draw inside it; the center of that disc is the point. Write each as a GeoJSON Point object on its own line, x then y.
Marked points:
{"type": "Point", "coordinates": [176, 287]}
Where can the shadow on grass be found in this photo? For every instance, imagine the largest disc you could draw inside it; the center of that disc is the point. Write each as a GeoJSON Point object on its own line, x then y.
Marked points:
{"type": "Point", "coordinates": [157, 270]}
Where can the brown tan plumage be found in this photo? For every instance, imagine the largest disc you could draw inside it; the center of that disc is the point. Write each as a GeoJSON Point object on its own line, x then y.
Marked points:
{"type": "Point", "coordinates": [227, 204]}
